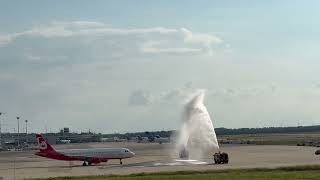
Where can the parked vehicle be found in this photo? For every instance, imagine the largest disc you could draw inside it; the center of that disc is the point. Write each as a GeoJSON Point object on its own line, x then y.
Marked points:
{"type": "Point", "coordinates": [221, 158]}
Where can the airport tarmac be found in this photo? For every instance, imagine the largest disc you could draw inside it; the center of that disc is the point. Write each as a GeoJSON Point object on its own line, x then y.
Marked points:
{"type": "Point", "coordinates": [152, 157]}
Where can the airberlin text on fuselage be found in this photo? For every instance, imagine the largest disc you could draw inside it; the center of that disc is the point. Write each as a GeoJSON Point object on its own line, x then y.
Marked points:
{"type": "Point", "coordinates": [86, 155]}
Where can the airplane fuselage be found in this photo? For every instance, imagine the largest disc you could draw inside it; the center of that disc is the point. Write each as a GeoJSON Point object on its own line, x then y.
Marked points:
{"type": "Point", "coordinates": [88, 156]}
{"type": "Point", "coordinates": [94, 155]}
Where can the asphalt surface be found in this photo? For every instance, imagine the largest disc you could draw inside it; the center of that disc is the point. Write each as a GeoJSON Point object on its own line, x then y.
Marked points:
{"type": "Point", "coordinates": [151, 157]}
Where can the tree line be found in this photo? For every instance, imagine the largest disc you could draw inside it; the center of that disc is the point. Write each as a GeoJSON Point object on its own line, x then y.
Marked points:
{"type": "Point", "coordinates": [223, 131]}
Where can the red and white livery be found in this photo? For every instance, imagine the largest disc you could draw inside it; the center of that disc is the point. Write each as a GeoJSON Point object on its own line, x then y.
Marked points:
{"type": "Point", "coordinates": [88, 156]}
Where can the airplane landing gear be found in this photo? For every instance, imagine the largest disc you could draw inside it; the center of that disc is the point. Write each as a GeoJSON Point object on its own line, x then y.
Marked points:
{"type": "Point", "coordinates": [89, 163]}
{"type": "Point", "coordinates": [120, 161]}
{"type": "Point", "coordinates": [84, 163]}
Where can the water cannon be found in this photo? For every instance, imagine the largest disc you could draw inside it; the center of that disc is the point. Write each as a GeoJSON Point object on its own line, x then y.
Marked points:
{"type": "Point", "coordinates": [184, 153]}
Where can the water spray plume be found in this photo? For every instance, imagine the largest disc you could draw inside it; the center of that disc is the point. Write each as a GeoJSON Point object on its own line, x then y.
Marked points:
{"type": "Point", "coordinates": [197, 134]}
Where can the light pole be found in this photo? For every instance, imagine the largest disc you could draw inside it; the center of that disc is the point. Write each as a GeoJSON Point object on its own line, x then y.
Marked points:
{"type": "Point", "coordinates": [26, 121]}
{"type": "Point", "coordinates": [0, 131]}
{"type": "Point", "coordinates": [18, 131]}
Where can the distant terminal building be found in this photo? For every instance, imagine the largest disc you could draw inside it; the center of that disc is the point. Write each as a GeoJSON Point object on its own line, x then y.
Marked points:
{"type": "Point", "coordinates": [65, 130]}
{"type": "Point", "coordinates": [23, 140]}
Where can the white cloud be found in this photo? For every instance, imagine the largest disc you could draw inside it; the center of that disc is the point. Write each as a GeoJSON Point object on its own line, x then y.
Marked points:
{"type": "Point", "coordinates": [86, 70]}
{"type": "Point", "coordinates": [49, 31]}
{"type": "Point", "coordinates": [169, 40]}
{"type": "Point", "coordinates": [155, 50]}
{"type": "Point", "coordinates": [140, 98]}
{"type": "Point", "coordinates": [81, 24]}
{"type": "Point", "coordinates": [232, 93]}
{"type": "Point", "coordinates": [172, 96]}
{"type": "Point", "coordinates": [41, 59]}
{"type": "Point", "coordinates": [82, 28]}
{"type": "Point", "coordinates": [179, 95]}
{"type": "Point", "coordinates": [5, 39]}
{"type": "Point", "coordinates": [200, 37]}
{"type": "Point", "coordinates": [205, 39]}
{"type": "Point", "coordinates": [33, 57]}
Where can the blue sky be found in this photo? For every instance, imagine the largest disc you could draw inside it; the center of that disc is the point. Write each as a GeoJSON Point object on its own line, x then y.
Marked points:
{"type": "Point", "coordinates": [117, 66]}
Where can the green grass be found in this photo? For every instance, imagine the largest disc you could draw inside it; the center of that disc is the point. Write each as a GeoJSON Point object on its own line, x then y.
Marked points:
{"type": "Point", "coordinates": [289, 173]}
{"type": "Point", "coordinates": [273, 139]}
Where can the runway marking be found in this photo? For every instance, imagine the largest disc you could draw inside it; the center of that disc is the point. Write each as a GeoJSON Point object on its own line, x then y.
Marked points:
{"type": "Point", "coordinates": [180, 162]}
{"type": "Point", "coordinates": [186, 160]}
{"type": "Point", "coordinates": [139, 166]}
{"type": "Point", "coordinates": [168, 164]}
{"type": "Point", "coordinates": [191, 161]}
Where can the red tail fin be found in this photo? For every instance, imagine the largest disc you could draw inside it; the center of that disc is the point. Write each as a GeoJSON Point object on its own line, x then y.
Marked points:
{"type": "Point", "coordinates": [44, 146]}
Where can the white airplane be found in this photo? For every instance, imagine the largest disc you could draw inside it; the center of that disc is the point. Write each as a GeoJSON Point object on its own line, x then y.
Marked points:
{"type": "Point", "coordinates": [88, 156]}
{"type": "Point", "coordinates": [65, 141]}
{"type": "Point", "coordinates": [160, 140]}
{"type": "Point", "coordinates": [141, 139]}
